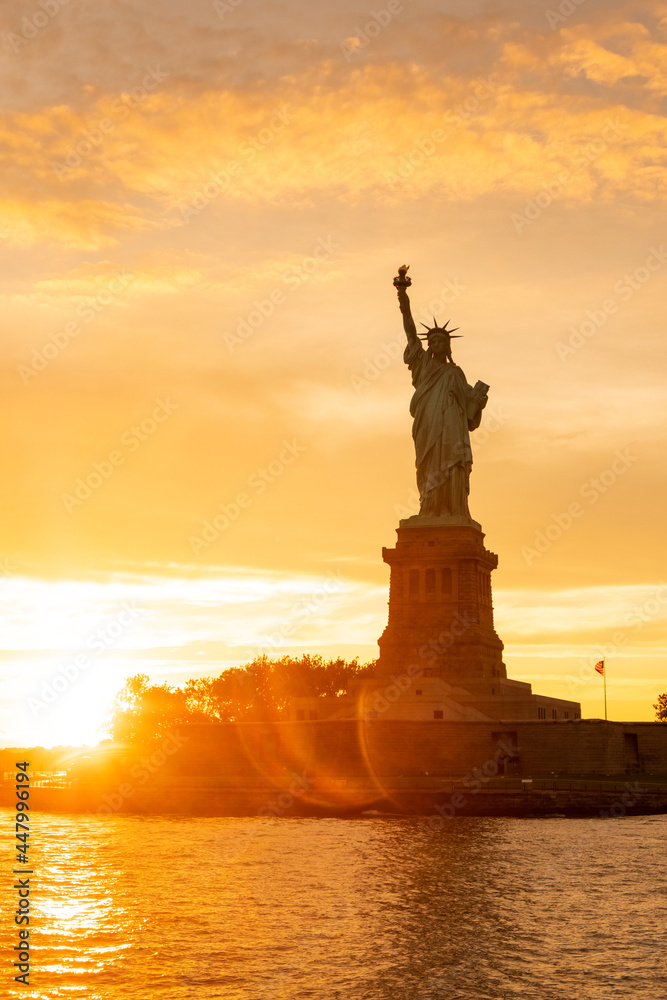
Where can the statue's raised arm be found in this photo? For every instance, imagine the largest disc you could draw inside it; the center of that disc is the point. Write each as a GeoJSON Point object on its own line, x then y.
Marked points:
{"type": "Point", "coordinates": [402, 283]}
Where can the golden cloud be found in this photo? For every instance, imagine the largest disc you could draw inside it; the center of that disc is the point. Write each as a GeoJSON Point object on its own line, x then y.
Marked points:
{"type": "Point", "coordinates": [386, 133]}
{"type": "Point", "coordinates": [84, 224]}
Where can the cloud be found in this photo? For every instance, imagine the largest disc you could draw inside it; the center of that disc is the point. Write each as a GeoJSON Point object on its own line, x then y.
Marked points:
{"type": "Point", "coordinates": [154, 150]}
{"type": "Point", "coordinates": [84, 224]}
{"type": "Point", "coordinates": [588, 613]}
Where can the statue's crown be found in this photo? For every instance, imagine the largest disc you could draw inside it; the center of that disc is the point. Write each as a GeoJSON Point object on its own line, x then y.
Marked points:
{"type": "Point", "coordinates": [441, 330]}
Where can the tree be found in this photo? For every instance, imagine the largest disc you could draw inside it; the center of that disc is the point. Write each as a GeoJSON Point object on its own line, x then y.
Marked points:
{"type": "Point", "coordinates": [661, 708]}
{"type": "Point", "coordinates": [260, 691]}
{"type": "Point", "coordinates": [142, 712]}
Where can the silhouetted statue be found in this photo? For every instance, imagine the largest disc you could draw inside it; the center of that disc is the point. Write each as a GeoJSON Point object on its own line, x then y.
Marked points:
{"type": "Point", "coordinates": [445, 409]}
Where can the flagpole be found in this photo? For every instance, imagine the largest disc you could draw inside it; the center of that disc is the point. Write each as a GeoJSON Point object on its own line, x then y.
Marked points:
{"type": "Point", "coordinates": [604, 678]}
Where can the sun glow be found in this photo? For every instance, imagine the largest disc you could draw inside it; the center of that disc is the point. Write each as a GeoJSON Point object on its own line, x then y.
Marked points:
{"type": "Point", "coordinates": [70, 645]}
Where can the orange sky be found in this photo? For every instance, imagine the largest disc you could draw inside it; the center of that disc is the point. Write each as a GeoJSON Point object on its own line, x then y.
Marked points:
{"type": "Point", "coordinates": [201, 212]}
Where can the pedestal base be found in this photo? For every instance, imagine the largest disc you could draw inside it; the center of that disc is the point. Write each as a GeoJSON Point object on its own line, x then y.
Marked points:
{"type": "Point", "coordinates": [440, 605]}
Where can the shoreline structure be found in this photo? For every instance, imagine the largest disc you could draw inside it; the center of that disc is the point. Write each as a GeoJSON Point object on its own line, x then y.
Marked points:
{"type": "Point", "coordinates": [440, 729]}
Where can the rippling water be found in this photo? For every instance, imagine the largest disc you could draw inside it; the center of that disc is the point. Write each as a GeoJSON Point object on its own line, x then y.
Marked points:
{"type": "Point", "coordinates": [139, 908]}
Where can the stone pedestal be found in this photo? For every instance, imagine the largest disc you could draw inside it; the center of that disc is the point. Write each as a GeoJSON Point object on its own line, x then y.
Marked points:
{"type": "Point", "coordinates": [440, 603]}
{"type": "Point", "coordinates": [440, 657]}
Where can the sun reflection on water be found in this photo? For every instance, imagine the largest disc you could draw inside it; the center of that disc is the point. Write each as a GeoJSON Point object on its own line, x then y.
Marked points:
{"type": "Point", "coordinates": [158, 908]}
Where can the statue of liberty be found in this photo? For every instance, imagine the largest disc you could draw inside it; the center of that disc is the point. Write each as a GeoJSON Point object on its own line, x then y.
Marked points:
{"type": "Point", "coordinates": [444, 409]}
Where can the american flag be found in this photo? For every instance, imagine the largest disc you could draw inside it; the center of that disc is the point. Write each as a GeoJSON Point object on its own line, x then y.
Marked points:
{"type": "Point", "coordinates": [600, 667]}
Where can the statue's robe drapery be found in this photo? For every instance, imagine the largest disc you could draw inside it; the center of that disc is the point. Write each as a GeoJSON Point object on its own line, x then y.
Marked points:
{"type": "Point", "coordinates": [445, 409]}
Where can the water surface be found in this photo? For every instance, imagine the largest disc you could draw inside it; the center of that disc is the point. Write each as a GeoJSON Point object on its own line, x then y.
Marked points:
{"type": "Point", "coordinates": [135, 908]}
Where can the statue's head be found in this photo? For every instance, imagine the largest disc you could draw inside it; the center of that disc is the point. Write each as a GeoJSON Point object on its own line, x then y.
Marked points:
{"type": "Point", "coordinates": [439, 340]}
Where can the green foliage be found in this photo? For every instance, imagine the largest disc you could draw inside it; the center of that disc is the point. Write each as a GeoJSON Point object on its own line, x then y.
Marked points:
{"type": "Point", "coordinates": [661, 708]}
{"type": "Point", "coordinates": [258, 691]}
